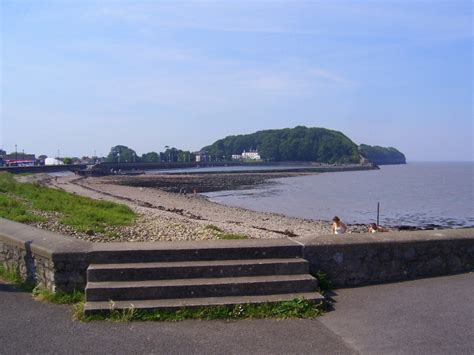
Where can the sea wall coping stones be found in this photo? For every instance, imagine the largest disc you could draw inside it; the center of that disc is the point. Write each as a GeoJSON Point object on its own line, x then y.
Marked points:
{"type": "Point", "coordinates": [60, 262]}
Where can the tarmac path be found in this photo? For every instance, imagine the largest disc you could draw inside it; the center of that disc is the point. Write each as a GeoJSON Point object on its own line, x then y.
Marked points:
{"type": "Point", "coordinates": [434, 316]}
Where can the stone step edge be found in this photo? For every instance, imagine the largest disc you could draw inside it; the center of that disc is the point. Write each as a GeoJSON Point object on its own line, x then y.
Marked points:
{"type": "Point", "coordinates": [99, 307]}
{"type": "Point", "coordinates": [128, 252]}
{"type": "Point", "coordinates": [198, 281]}
{"type": "Point", "coordinates": [150, 265]}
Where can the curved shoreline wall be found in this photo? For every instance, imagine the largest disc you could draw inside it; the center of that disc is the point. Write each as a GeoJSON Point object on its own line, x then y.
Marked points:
{"type": "Point", "coordinates": [60, 263]}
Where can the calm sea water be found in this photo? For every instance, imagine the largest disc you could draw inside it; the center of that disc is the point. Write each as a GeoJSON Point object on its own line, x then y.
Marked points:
{"type": "Point", "coordinates": [415, 194]}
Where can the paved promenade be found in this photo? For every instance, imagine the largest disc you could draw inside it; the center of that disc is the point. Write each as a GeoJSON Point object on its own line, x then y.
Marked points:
{"type": "Point", "coordinates": [429, 316]}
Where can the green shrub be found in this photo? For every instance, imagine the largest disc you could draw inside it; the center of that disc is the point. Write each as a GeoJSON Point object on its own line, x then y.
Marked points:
{"type": "Point", "coordinates": [323, 281]}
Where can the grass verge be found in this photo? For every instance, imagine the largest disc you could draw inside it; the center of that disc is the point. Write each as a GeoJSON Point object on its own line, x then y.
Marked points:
{"type": "Point", "coordinates": [18, 200]}
{"type": "Point", "coordinates": [296, 308]}
{"type": "Point", "coordinates": [43, 294]}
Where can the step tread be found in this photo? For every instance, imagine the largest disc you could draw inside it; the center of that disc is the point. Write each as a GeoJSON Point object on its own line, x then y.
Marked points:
{"type": "Point", "coordinates": [200, 302]}
{"type": "Point", "coordinates": [197, 281]}
{"type": "Point", "coordinates": [151, 265]}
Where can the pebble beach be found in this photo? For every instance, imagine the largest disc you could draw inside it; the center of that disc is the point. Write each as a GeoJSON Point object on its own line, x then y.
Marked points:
{"type": "Point", "coordinates": [171, 216]}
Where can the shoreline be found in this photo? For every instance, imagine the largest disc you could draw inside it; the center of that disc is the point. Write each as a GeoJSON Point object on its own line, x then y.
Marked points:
{"type": "Point", "coordinates": [168, 216]}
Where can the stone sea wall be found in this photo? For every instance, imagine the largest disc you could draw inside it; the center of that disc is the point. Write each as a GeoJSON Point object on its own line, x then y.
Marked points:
{"type": "Point", "coordinates": [56, 262]}
{"type": "Point", "coordinates": [355, 260]}
{"type": "Point", "coordinates": [60, 263]}
{"type": "Point", "coordinates": [34, 269]}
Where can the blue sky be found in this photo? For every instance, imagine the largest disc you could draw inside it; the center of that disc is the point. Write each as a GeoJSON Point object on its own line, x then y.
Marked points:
{"type": "Point", "coordinates": [82, 76]}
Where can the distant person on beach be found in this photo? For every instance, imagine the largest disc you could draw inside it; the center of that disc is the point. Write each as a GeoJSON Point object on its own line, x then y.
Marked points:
{"type": "Point", "coordinates": [338, 227]}
{"type": "Point", "coordinates": [374, 228]}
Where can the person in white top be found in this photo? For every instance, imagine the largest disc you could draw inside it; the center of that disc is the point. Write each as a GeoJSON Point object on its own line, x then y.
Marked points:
{"type": "Point", "coordinates": [337, 226]}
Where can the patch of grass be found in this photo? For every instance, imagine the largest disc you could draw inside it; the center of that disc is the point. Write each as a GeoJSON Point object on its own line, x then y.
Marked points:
{"type": "Point", "coordinates": [38, 292]}
{"type": "Point", "coordinates": [214, 228]}
{"type": "Point", "coordinates": [220, 234]}
{"type": "Point", "coordinates": [13, 276]}
{"type": "Point", "coordinates": [81, 213]}
{"type": "Point", "coordinates": [10, 275]}
{"type": "Point", "coordinates": [43, 294]}
{"type": "Point", "coordinates": [14, 210]}
{"type": "Point", "coordinates": [230, 236]}
{"type": "Point", "coordinates": [296, 308]}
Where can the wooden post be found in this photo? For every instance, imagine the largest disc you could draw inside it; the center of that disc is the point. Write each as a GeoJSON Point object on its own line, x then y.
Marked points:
{"type": "Point", "coordinates": [378, 212]}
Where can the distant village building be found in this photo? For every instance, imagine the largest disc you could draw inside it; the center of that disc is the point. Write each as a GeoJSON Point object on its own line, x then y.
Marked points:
{"type": "Point", "coordinates": [251, 155]}
{"type": "Point", "coordinates": [53, 161]}
{"type": "Point", "coordinates": [236, 156]}
{"type": "Point", "coordinates": [202, 156]}
{"type": "Point", "coordinates": [19, 159]}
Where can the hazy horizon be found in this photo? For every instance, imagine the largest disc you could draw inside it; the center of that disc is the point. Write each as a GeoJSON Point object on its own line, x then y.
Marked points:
{"type": "Point", "coordinates": [81, 77]}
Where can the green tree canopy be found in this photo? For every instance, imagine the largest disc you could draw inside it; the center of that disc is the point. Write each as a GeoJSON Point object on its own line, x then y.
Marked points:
{"type": "Point", "coordinates": [122, 154]}
{"type": "Point", "coordinates": [289, 144]}
{"type": "Point", "coordinates": [151, 157]}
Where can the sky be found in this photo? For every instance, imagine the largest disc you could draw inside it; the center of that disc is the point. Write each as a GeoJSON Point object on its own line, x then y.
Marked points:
{"type": "Point", "coordinates": [78, 77]}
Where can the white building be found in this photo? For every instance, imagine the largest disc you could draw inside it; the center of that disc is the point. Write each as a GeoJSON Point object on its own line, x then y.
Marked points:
{"type": "Point", "coordinates": [236, 156]}
{"type": "Point", "coordinates": [53, 161]}
{"type": "Point", "coordinates": [202, 157]}
{"type": "Point", "coordinates": [251, 155]}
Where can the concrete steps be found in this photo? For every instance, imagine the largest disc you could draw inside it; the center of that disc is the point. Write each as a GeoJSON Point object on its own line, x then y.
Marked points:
{"type": "Point", "coordinates": [195, 283]}
{"type": "Point", "coordinates": [195, 269]}
{"type": "Point", "coordinates": [186, 288]}
{"type": "Point", "coordinates": [118, 253]}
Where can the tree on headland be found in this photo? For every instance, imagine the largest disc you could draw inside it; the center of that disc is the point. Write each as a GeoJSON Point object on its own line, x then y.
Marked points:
{"type": "Point", "coordinates": [290, 144]}
{"type": "Point", "coordinates": [151, 157]}
{"type": "Point", "coordinates": [174, 155]}
{"type": "Point", "coordinates": [122, 154]}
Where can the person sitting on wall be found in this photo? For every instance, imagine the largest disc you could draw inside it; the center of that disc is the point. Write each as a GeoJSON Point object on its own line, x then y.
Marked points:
{"type": "Point", "coordinates": [338, 227]}
{"type": "Point", "coordinates": [374, 228]}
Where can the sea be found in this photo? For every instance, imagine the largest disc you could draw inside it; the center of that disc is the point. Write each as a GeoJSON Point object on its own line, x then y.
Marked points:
{"type": "Point", "coordinates": [418, 194]}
